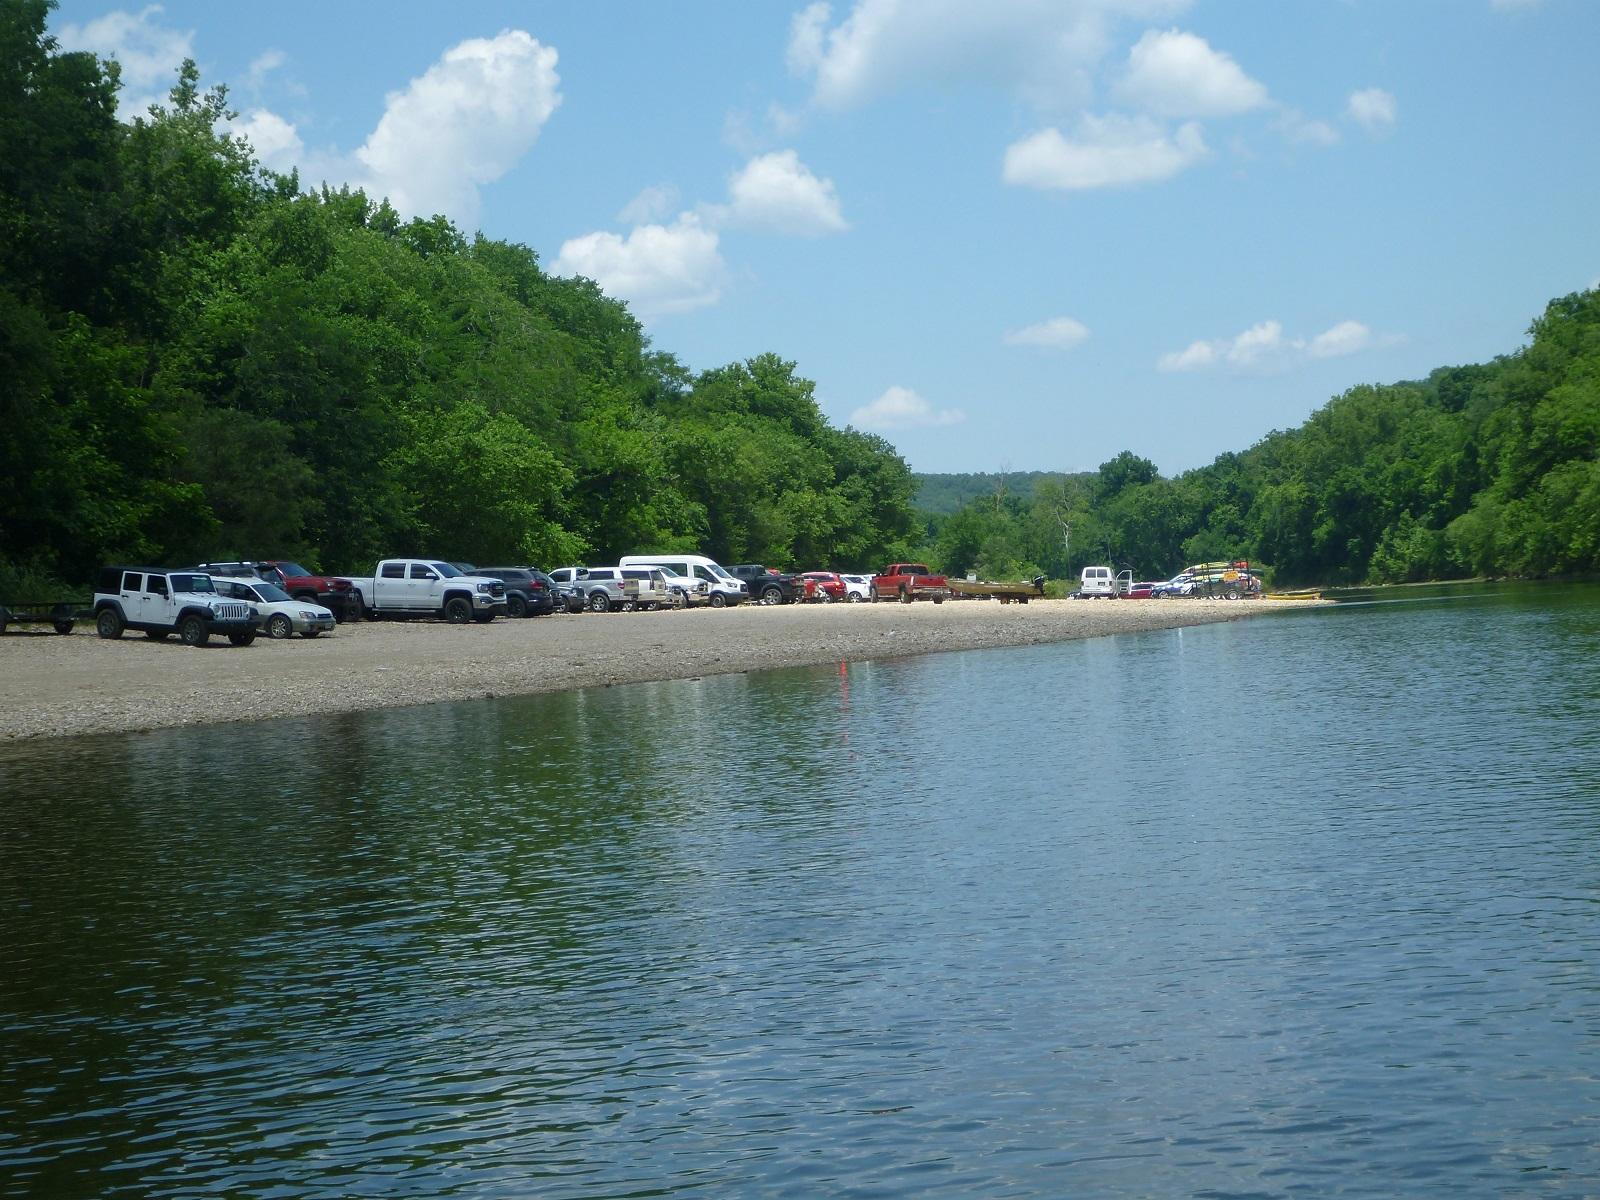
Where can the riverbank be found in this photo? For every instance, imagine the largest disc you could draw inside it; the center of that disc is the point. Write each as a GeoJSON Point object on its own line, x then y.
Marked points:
{"type": "Point", "coordinates": [63, 686]}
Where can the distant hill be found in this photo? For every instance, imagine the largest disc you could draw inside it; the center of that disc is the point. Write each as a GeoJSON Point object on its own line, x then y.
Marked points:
{"type": "Point", "coordinates": [947, 493]}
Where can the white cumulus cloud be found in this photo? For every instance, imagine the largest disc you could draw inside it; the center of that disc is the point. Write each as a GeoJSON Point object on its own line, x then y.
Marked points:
{"type": "Point", "coordinates": [654, 204]}
{"type": "Point", "coordinates": [1042, 50]}
{"type": "Point", "coordinates": [1058, 333]}
{"type": "Point", "coordinates": [777, 192]}
{"type": "Point", "coordinates": [148, 52]}
{"type": "Point", "coordinates": [1176, 74]}
{"type": "Point", "coordinates": [901, 408]}
{"type": "Point", "coordinates": [1110, 151]}
{"type": "Point", "coordinates": [1372, 108]}
{"type": "Point", "coordinates": [463, 123]}
{"type": "Point", "coordinates": [276, 141]}
{"type": "Point", "coordinates": [658, 269]}
{"type": "Point", "coordinates": [1263, 347]}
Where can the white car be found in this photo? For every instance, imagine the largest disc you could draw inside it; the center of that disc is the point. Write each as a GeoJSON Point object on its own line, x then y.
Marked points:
{"type": "Point", "coordinates": [857, 588]}
{"type": "Point", "coordinates": [281, 614]}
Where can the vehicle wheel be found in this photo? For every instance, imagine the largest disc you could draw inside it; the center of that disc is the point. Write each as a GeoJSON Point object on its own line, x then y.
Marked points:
{"type": "Point", "coordinates": [718, 600]}
{"type": "Point", "coordinates": [158, 635]}
{"type": "Point", "coordinates": [311, 633]}
{"type": "Point", "coordinates": [771, 595]}
{"type": "Point", "coordinates": [62, 627]}
{"type": "Point", "coordinates": [279, 627]}
{"type": "Point", "coordinates": [938, 599]}
{"type": "Point", "coordinates": [905, 596]}
{"type": "Point", "coordinates": [193, 632]}
{"type": "Point", "coordinates": [243, 637]}
{"type": "Point", "coordinates": [1233, 593]}
{"type": "Point", "coordinates": [109, 624]}
{"type": "Point", "coordinates": [458, 611]}
{"type": "Point", "coordinates": [599, 602]}
{"type": "Point", "coordinates": [516, 606]}
{"type": "Point", "coordinates": [856, 597]}
{"type": "Point", "coordinates": [873, 592]}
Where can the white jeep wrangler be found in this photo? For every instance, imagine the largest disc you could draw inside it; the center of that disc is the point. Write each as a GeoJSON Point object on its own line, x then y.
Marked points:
{"type": "Point", "coordinates": [160, 603]}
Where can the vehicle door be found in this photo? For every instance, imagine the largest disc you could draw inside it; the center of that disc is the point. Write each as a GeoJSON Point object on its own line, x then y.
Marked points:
{"type": "Point", "coordinates": [422, 587]}
{"type": "Point", "coordinates": [132, 595]}
{"type": "Point", "coordinates": [389, 588]}
{"type": "Point", "coordinates": [155, 601]}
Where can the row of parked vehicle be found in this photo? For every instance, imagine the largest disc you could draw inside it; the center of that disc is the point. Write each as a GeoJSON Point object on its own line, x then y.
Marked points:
{"type": "Point", "coordinates": [241, 599]}
{"type": "Point", "coordinates": [1233, 580]}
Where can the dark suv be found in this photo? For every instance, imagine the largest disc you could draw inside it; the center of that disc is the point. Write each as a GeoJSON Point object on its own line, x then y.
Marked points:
{"type": "Point", "coordinates": [529, 592]}
{"type": "Point", "coordinates": [769, 587]}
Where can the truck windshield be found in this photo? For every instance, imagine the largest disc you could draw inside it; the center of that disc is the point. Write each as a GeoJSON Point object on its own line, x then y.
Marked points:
{"type": "Point", "coordinates": [445, 569]}
{"type": "Point", "coordinates": [721, 574]}
{"type": "Point", "coordinates": [294, 570]}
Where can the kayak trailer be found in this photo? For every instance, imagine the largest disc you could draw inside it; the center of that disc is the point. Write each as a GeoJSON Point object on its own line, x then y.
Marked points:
{"type": "Point", "coordinates": [60, 614]}
{"type": "Point", "coordinates": [1004, 592]}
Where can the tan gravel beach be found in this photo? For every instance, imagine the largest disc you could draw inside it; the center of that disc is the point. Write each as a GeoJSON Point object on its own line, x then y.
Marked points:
{"type": "Point", "coordinates": [54, 686]}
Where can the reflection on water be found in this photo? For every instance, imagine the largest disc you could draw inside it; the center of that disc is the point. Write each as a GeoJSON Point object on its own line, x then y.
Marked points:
{"type": "Point", "coordinates": [1300, 905]}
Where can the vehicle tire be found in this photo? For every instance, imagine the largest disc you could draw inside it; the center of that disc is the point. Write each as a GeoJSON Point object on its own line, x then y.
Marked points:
{"type": "Point", "coordinates": [158, 635]}
{"type": "Point", "coordinates": [311, 633]}
{"type": "Point", "coordinates": [905, 596]}
{"type": "Point", "coordinates": [771, 594]}
{"type": "Point", "coordinates": [718, 600]}
{"type": "Point", "coordinates": [1233, 593]}
{"type": "Point", "coordinates": [855, 597]}
{"type": "Point", "coordinates": [873, 592]}
{"type": "Point", "coordinates": [279, 626]}
{"type": "Point", "coordinates": [192, 631]}
{"type": "Point", "coordinates": [109, 624]}
{"type": "Point", "coordinates": [938, 599]}
{"type": "Point", "coordinates": [243, 637]}
{"type": "Point", "coordinates": [458, 610]}
{"type": "Point", "coordinates": [62, 627]}
{"type": "Point", "coordinates": [516, 606]}
{"type": "Point", "coordinates": [599, 602]}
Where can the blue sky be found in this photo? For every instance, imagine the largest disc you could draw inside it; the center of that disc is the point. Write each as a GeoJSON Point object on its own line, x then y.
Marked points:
{"type": "Point", "coordinates": [1016, 234]}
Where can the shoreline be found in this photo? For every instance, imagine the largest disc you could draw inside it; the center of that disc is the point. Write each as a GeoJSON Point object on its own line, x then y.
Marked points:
{"type": "Point", "coordinates": [75, 685]}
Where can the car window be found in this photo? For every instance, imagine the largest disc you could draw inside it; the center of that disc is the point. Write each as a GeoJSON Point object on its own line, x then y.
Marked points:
{"type": "Point", "coordinates": [271, 593]}
{"type": "Point", "coordinates": [423, 571]}
{"type": "Point", "coordinates": [294, 569]}
{"type": "Point", "coordinates": [132, 581]}
{"type": "Point", "coordinates": [445, 569]}
{"type": "Point", "coordinates": [158, 585]}
{"type": "Point", "coordinates": [394, 570]}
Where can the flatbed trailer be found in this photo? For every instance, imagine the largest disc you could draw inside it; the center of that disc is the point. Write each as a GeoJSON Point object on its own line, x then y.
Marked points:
{"type": "Point", "coordinates": [61, 615]}
{"type": "Point", "coordinates": [1004, 592]}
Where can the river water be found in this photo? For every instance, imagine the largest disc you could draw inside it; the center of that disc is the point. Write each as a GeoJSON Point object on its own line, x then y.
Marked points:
{"type": "Point", "coordinates": [1303, 905]}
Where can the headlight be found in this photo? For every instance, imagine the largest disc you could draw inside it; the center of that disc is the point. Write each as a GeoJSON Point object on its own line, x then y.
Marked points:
{"type": "Point", "coordinates": [484, 587]}
{"type": "Point", "coordinates": [307, 615]}
{"type": "Point", "coordinates": [212, 609]}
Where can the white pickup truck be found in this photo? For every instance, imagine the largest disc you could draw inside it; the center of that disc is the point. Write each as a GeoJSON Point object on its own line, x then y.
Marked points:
{"type": "Point", "coordinates": [423, 587]}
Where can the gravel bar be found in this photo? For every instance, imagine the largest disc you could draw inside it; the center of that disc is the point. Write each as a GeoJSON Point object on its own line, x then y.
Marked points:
{"type": "Point", "coordinates": [57, 686]}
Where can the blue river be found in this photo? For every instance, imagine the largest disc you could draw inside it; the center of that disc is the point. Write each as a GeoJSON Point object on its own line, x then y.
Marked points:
{"type": "Point", "coordinates": [1304, 905]}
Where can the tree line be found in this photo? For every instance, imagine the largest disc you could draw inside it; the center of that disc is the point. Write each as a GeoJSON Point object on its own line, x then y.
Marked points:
{"type": "Point", "coordinates": [1486, 470]}
{"type": "Point", "coordinates": [199, 359]}
{"type": "Point", "coordinates": [202, 360]}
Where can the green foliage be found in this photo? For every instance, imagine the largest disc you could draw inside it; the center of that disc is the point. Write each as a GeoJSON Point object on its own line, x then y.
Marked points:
{"type": "Point", "coordinates": [198, 360]}
{"type": "Point", "coordinates": [1491, 470]}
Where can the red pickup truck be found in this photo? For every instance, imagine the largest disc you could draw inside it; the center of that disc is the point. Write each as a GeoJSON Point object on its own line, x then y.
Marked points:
{"type": "Point", "coordinates": [906, 582]}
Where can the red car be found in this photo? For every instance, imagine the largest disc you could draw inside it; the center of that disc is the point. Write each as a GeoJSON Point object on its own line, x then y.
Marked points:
{"type": "Point", "coordinates": [1140, 591]}
{"type": "Point", "coordinates": [824, 585]}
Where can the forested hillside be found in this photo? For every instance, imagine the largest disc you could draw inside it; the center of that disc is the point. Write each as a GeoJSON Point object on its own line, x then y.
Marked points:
{"type": "Point", "coordinates": [1477, 470]}
{"type": "Point", "coordinates": [198, 360]}
{"type": "Point", "coordinates": [945, 493]}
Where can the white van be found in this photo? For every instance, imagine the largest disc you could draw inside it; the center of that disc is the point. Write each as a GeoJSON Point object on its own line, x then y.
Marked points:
{"type": "Point", "coordinates": [722, 588]}
{"type": "Point", "coordinates": [1094, 583]}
